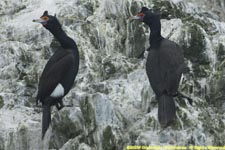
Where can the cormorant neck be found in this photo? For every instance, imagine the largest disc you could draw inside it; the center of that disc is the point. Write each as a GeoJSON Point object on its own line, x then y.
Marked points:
{"type": "Point", "coordinates": [155, 38]}
{"type": "Point", "coordinates": [65, 41]}
{"type": "Point", "coordinates": [155, 35]}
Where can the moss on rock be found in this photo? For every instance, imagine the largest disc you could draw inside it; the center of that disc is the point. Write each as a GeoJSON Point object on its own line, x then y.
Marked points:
{"type": "Point", "coordinates": [220, 52]}
{"type": "Point", "coordinates": [2, 143]}
{"type": "Point", "coordinates": [195, 45]}
{"type": "Point", "coordinates": [216, 92]}
{"type": "Point", "coordinates": [137, 39]}
{"type": "Point", "coordinates": [109, 142]}
{"type": "Point", "coordinates": [169, 9]}
{"type": "Point", "coordinates": [109, 69]}
{"type": "Point", "coordinates": [88, 112]}
{"type": "Point", "coordinates": [193, 42]}
{"type": "Point", "coordinates": [64, 128]}
{"type": "Point", "coordinates": [22, 137]}
{"type": "Point", "coordinates": [135, 7]}
{"type": "Point", "coordinates": [1, 102]}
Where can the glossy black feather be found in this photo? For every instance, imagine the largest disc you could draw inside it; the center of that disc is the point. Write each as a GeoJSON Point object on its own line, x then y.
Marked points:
{"type": "Point", "coordinates": [166, 110]}
{"type": "Point", "coordinates": [164, 67]}
{"type": "Point", "coordinates": [61, 68]}
{"type": "Point", "coordinates": [56, 70]}
{"type": "Point", "coordinates": [46, 118]}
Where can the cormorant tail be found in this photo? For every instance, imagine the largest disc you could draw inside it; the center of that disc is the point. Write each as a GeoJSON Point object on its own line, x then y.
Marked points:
{"type": "Point", "coordinates": [166, 109]}
{"type": "Point", "coordinates": [46, 119]}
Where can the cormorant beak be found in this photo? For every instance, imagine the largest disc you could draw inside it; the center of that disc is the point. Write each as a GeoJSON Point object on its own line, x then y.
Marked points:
{"type": "Point", "coordinates": [139, 16]}
{"type": "Point", "coordinates": [42, 21]}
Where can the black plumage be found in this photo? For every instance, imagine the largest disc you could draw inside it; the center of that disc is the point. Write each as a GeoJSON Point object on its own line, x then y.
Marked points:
{"type": "Point", "coordinates": [164, 66]}
{"type": "Point", "coordinates": [60, 71]}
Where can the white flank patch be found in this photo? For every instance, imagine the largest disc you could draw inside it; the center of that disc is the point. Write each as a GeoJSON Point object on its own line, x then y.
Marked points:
{"type": "Point", "coordinates": [58, 91]}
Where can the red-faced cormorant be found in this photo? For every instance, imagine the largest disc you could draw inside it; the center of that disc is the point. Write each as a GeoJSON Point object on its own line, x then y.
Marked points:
{"type": "Point", "coordinates": [60, 71]}
{"type": "Point", "coordinates": [164, 66]}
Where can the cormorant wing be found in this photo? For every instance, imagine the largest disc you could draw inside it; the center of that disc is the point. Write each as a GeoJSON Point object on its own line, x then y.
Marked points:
{"type": "Point", "coordinates": [172, 65]}
{"type": "Point", "coordinates": [165, 67]}
{"type": "Point", "coordinates": [59, 64]}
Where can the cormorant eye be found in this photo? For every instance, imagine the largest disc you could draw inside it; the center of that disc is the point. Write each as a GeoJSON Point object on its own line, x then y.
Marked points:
{"type": "Point", "coordinates": [45, 18]}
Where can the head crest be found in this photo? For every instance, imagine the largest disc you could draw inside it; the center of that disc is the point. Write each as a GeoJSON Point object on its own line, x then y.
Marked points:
{"type": "Point", "coordinates": [144, 9]}
{"type": "Point", "coordinates": [45, 13]}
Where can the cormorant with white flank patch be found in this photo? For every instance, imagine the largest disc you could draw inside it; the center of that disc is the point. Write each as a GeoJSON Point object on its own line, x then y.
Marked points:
{"type": "Point", "coordinates": [60, 71]}
{"type": "Point", "coordinates": [164, 67]}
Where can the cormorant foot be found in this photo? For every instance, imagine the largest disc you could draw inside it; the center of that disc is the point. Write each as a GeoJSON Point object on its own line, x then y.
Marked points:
{"type": "Point", "coordinates": [37, 102]}
{"type": "Point", "coordinates": [181, 95]}
{"type": "Point", "coordinates": [148, 49]}
{"type": "Point", "coordinates": [69, 105]}
{"type": "Point", "coordinates": [38, 106]}
{"type": "Point", "coordinates": [141, 56]}
{"type": "Point", "coordinates": [59, 105]}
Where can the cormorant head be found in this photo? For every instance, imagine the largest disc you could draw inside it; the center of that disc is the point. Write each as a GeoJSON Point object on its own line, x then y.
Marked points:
{"type": "Point", "coordinates": [147, 16]}
{"type": "Point", "coordinates": [48, 21]}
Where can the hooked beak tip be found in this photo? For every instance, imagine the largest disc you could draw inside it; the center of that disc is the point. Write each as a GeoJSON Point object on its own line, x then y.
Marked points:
{"type": "Point", "coordinates": [135, 18]}
{"type": "Point", "coordinates": [39, 21]}
{"type": "Point", "coordinates": [36, 20]}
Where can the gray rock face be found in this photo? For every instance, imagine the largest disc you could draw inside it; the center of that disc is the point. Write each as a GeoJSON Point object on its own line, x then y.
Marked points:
{"type": "Point", "coordinates": [112, 103]}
